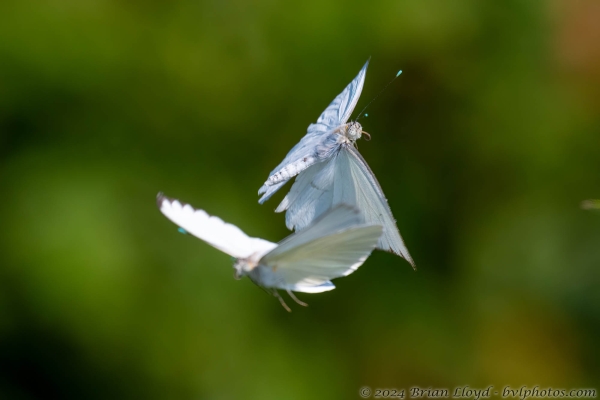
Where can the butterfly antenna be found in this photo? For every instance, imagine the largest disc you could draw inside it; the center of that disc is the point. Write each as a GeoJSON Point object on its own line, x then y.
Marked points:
{"type": "Point", "coordinates": [379, 94]}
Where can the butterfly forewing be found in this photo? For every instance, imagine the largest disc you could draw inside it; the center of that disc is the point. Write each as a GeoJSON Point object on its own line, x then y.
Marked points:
{"type": "Point", "coordinates": [341, 108]}
{"type": "Point", "coordinates": [226, 237]}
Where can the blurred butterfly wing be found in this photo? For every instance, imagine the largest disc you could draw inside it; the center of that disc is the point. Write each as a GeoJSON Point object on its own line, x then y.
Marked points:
{"type": "Point", "coordinates": [320, 142]}
{"type": "Point", "coordinates": [334, 220]}
{"type": "Point", "coordinates": [320, 260]}
{"type": "Point", "coordinates": [226, 237]}
{"type": "Point", "coordinates": [334, 246]}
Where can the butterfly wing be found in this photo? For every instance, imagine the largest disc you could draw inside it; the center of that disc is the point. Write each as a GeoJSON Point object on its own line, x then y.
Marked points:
{"type": "Point", "coordinates": [226, 237]}
{"type": "Point", "coordinates": [356, 184]}
{"type": "Point", "coordinates": [340, 109]}
{"type": "Point", "coordinates": [311, 195]}
{"type": "Point", "coordinates": [345, 178]}
{"type": "Point", "coordinates": [320, 142]}
{"type": "Point", "coordinates": [334, 246]}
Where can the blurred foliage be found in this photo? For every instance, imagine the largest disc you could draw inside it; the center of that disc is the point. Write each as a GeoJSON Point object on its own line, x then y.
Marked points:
{"type": "Point", "coordinates": [590, 204]}
{"type": "Point", "coordinates": [484, 146]}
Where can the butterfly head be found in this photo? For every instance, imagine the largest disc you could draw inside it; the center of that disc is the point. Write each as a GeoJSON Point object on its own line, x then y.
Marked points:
{"type": "Point", "coordinates": [353, 131]}
{"type": "Point", "coordinates": [242, 267]}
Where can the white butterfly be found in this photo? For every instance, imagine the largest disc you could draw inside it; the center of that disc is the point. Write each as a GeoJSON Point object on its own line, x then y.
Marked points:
{"type": "Point", "coordinates": [335, 245]}
{"type": "Point", "coordinates": [331, 171]}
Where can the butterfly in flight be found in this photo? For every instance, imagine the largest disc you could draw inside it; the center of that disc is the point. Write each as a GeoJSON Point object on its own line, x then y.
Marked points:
{"type": "Point", "coordinates": [329, 170]}
{"type": "Point", "coordinates": [334, 245]}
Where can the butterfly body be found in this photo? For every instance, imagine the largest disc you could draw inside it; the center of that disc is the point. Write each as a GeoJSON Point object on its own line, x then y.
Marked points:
{"type": "Point", "coordinates": [244, 266]}
{"type": "Point", "coordinates": [352, 131]}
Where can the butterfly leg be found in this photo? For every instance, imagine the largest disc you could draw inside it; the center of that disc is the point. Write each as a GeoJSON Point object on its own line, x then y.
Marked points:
{"type": "Point", "coordinates": [293, 296]}
{"type": "Point", "coordinates": [276, 294]}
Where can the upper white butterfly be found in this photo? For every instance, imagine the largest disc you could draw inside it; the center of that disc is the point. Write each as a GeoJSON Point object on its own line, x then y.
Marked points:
{"type": "Point", "coordinates": [331, 171]}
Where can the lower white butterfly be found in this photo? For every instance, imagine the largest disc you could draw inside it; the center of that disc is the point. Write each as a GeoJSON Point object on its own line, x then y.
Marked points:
{"type": "Point", "coordinates": [335, 245]}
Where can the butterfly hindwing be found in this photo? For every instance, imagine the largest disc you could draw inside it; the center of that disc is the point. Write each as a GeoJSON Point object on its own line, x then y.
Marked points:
{"type": "Point", "coordinates": [334, 245]}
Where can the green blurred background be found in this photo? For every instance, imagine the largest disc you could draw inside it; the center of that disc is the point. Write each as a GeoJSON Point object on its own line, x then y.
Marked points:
{"type": "Point", "coordinates": [485, 147]}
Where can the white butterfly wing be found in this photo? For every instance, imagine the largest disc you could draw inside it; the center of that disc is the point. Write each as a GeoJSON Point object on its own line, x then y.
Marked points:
{"type": "Point", "coordinates": [334, 246]}
{"type": "Point", "coordinates": [310, 195]}
{"type": "Point", "coordinates": [306, 287]}
{"type": "Point", "coordinates": [355, 181]}
{"type": "Point", "coordinates": [340, 109]}
{"type": "Point", "coordinates": [226, 237]}
{"type": "Point", "coordinates": [345, 178]}
{"type": "Point", "coordinates": [320, 142]}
